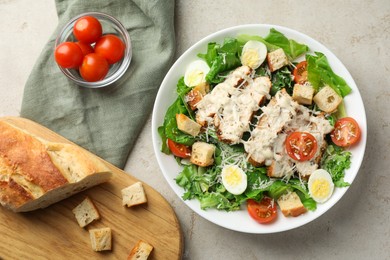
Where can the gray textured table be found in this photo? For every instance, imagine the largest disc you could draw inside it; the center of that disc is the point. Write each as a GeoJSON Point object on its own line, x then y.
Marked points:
{"type": "Point", "coordinates": [358, 32]}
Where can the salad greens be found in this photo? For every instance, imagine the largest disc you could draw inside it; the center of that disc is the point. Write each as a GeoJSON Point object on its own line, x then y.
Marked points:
{"type": "Point", "coordinates": [320, 73]}
{"type": "Point", "coordinates": [221, 58]}
{"type": "Point", "coordinates": [336, 161]}
{"type": "Point", "coordinates": [169, 128]}
{"type": "Point", "coordinates": [282, 78]}
{"type": "Point", "coordinates": [275, 40]}
{"type": "Point", "coordinates": [225, 57]}
{"type": "Point", "coordinates": [204, 183]}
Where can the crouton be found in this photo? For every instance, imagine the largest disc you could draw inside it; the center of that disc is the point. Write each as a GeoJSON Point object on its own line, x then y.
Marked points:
{"type": "Point", "coordinates": [185, 124]}
{"type": "Point", "coordinates": [279, 169]}
{"type": "Point", "coordinates": [290, 204]}
{"type": "Point", "coordinates": [141, 251]}
{"type": "Point", "coordinates": [196, 94]}
{"type": "Point", "coordinates": [276, 59]}
{"type": "Point", "coordinates": [133, 195]}
{"type": "Point", "coordinates": [86, 212]}
{"type": "Point", "coordinates": [202, 154]}
{"type": "Point", "coordinates": [327, 99]}
{"type": "Point", "coordinates": [101, 239]}
{"type": "Point", "coordinates": [303, 94]}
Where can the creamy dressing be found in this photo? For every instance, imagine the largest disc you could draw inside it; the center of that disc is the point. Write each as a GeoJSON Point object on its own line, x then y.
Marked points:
{"type": "Point", "coordinates": [281, 116]}
{"type": "Point", "coordinates": [232, 103]}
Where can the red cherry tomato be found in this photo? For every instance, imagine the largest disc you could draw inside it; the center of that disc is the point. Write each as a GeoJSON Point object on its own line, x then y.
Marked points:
{"type": "Point", "coordinates": [68, 55]}
{"type": "Point", "coordinates": [87, 29]}
{"type": "Point", "coordinates": [110, 47]}
{"type": "Point", "coordinates": [301, 146]}
{"type": "Point", "coordinates": [85, 48]}
{"type": "Point", "coordinates": [94, 67]}
{"type": "Point", "coordinates": [300, 72]}
{"type": "Point", "coordinates": [346, 132]}
{"type": "Point", "coordinates": [179, 150]}
{"type": "Point", "coordinates": [264, 211]}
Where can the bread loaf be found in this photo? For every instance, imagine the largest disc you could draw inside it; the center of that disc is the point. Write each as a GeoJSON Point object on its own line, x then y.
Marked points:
{"type": "Point", "coordinates": [35, 173]}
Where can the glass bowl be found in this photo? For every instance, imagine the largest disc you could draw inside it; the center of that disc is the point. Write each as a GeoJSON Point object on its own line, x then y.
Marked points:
{"type": "Point", "coordinates": [110, 25]}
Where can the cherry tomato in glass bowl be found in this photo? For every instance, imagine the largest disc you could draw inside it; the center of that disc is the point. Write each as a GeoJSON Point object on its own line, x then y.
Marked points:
{"type": "Point", "coordinates": [179, 150]}
{"type": "Point", "coordinates": [110, 47]}
{"type": "Point", "coordinates": [300, 72]}
{"type": "Point", "coordinates": [87, 29]}
{"type": "Point", "coordinates": [85, 48]}
{"type": "Point", "coordinates": [264, 211]}
{"type": "Point", "coordinates": [346, 132]}
{"type": "Point", "coordinates": [301, 146]}
{"type": "Point", "coordinates": [68, 55]}
{"type": "Point", "coordinates": [94, 67]}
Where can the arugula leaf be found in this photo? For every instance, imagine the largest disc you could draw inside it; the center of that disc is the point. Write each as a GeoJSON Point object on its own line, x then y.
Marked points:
{"type": "Point", "coordinates": [320, 73]}
{"type": "Point", "coordinates": [336, 161]}
{"type": "Point", "coordinates": [292, 48]}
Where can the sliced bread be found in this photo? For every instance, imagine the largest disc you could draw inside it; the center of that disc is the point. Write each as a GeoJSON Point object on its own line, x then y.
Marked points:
{"type": "Point", "coordinates": [35, 173]}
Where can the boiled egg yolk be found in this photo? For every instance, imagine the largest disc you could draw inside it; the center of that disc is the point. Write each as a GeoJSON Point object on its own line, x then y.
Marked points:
{"type": "Point", "coordinates": [253, 54]}
{"type": "Point", "coordinates": [320, 185]}
{"type": "Point", "coordinates": [234, 179]}
{"type": "Point", "coordinates": [196, 73]}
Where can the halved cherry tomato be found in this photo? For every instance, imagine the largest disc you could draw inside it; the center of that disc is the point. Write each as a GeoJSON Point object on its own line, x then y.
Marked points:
{"type": "Point", "coordinates": [300, 72]}
{"type": "Point", "coordinates": [110, 47]}
{"type": "Point", "coordinates": [263, 211]}
{"type": "Point", "coordinates": [87, 29]}
{"type": "Point", "coordinates": [85, 48]}
{"type": "Point", "coordinates": [68, 55]}
{"type": "Point", "coordinates": [301, 146]}
{"type": "Point", "coordinates": [94, 67]}
{"type": "Point", "coordinates": [179, 150]}
{"type": "Point", "coordinates": [346, 132]}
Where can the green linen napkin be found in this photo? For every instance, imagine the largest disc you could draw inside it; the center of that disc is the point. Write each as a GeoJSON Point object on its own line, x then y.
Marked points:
{"type": "Point", "coordinates": [105, 121]}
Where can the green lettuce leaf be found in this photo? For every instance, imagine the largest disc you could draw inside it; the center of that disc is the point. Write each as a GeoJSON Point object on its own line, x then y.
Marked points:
{"type": "Point", "coordinates": [292, 48]}
{"type": "Point", "coordinates": [169, 128]}
{"type": "Point", "coordinates": [336, 161]}
{"type": "Point", "coordinates": [275, 40]}
{"type": "Point", "coordinates": [221, 59]}
{"type": "Point", "coordinates": [320, 73]}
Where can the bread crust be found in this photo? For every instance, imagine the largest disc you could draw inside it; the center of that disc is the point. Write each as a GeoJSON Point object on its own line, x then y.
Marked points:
{"type": "Point", "coordinates": [30, 173]}
{"type": "Point", "coordinates": [12, 193]}
{"type": "Point", "coordinates": [27, 156]}
{"type": "Point", "coordinates": [140, 251]}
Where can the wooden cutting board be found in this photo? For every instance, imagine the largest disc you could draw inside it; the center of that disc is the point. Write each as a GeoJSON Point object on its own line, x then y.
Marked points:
{"type": "Point", "coordinates": [53, 233]}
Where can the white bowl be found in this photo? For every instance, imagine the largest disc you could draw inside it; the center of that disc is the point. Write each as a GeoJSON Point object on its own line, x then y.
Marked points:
{"type": "Point", "coordinates": [240, 220]}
